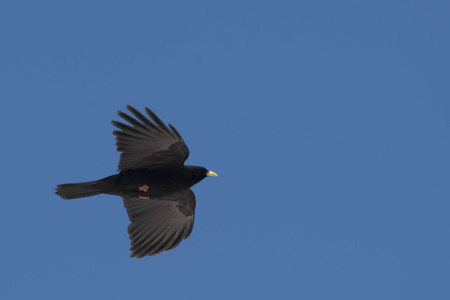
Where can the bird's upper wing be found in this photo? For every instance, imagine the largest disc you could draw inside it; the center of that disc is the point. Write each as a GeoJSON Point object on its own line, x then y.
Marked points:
{"type": "Point", "coordinates": [159, 224]}
{"type": "Point", "coordinates": [148, 144]}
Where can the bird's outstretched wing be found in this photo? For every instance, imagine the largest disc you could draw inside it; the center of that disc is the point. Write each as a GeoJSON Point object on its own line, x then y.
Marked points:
{"type": "Point", "coordinates": [148, 144]}
{"type": "Point", "coordinates": [159, 224]}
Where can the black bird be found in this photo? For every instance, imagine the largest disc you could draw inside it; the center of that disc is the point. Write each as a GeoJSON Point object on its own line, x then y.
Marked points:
{"type": "Point", "coordinates": [153, 182]}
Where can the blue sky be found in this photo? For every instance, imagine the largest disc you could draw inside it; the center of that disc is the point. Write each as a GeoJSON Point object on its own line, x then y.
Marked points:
{"type": "Point", "coordinates": [327, 122]}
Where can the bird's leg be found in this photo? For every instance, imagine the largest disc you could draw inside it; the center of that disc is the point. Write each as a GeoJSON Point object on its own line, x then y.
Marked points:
{"type": "Point", "coordinates": [144, 188]}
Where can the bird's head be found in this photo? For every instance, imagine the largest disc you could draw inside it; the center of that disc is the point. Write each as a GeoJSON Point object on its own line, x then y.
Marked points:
{"type": "Point", "coordinates": [200, 173]}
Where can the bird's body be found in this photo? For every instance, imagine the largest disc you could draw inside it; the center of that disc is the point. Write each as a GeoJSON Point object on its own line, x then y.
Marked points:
{"type": "Point", "coordinates": [153, 182]}
{"type": "Point", "coordinates": [159, 182]}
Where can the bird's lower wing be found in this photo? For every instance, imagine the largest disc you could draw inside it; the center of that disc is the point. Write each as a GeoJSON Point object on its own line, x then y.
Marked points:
{"type": "Point", "coordinates": [159, 224]}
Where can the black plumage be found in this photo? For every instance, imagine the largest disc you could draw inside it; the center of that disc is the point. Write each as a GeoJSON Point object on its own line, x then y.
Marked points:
{"type": "Point", "coordinates": [153, 182]}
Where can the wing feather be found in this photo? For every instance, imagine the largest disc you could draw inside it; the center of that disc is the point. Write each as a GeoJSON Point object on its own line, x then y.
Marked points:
{"type": "Point", "coordinates": [159, 224]}
{"type": "Point", "coordinates": [148, 143]}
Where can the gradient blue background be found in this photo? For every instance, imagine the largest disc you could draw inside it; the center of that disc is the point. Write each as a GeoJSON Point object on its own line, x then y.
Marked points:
{"type": "Point", "coordinates": [328, 123]}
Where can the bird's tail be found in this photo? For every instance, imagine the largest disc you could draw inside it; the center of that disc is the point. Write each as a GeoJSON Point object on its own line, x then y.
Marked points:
{"type": "Point", "coordinates": [79, 190]}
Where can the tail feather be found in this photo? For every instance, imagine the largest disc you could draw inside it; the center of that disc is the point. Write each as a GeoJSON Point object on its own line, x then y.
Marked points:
{"type": "Point", "coordinates": [79, 190]}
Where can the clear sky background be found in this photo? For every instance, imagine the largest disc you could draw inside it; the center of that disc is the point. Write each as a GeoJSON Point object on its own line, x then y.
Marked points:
{"type": "Point", "coordinates": [328, 123]}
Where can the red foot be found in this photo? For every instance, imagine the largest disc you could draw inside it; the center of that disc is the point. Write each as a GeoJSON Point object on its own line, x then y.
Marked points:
{"type": "Point", "coordinates": [142, 197]}
{"type": "Point", "coordinates": [144, 188]}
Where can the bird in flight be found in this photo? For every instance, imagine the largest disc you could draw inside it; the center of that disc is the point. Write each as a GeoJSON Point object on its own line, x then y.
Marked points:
{"type": "Point", "coordinates": [153, 182]}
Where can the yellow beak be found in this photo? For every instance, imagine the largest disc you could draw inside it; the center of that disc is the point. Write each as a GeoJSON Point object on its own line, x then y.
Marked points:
{"type": "Point", "coordinates": [211, 173]}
